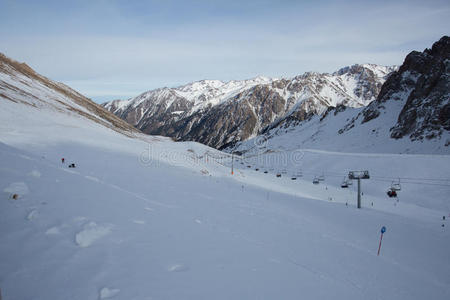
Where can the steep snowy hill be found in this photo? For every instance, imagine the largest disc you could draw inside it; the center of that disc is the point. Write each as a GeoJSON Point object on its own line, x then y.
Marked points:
{"type": "Point", "coordinates": [218, 114]}
{"type": "Point", "coordinates": [410, 115]}
{"type": "Point", "coordinates": [143, 217]}
{"type": "Point", "coordinates": [22, 85]}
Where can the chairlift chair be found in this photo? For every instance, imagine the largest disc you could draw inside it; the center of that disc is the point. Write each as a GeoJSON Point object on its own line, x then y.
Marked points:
{"type": "Point", "coordinates": [344, 184]}
{"type": "Point", "coordinates": [395, 185]}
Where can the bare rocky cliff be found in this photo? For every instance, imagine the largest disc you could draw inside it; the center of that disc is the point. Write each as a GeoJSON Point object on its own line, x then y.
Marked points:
{"type": "Point", "coordinates": [420, 89]}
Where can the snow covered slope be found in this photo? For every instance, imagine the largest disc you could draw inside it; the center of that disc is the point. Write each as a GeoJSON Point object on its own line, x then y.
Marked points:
{"type": "Point", "coordinates": [216, 113]}
{"type": "Point", "coordinates": [114, 226]}
{"type": "Point", "coordinates": [143, 217]}
{"type": "Point", "coordinates": [21, 85]}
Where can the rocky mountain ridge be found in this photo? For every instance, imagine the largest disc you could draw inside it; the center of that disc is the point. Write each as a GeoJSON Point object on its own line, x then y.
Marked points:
{"type": "Point", "coordinates": [421, 86]}
{"type": "Point", "coordinates": [221, 114]}
{"type": "Point", "coordinates": [22, 85]}
{"type": "Point", "coordinates": [410, 115]}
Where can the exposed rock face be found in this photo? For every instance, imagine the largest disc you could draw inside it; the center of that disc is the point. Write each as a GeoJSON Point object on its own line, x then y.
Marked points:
{"type": "Point", "coordinates": [427, 109]}
{"type": "Point", "coordinates": [410, 115]}
{"type": "Point", "coordinates": [232, 121]}
{"type": "Point", "coordinates": [421, 88]}
{"type": "Point", "coordinates": [220, 114]}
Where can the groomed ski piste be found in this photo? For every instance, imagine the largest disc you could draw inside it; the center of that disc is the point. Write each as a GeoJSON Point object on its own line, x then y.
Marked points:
{"type": "Point", "coordinates": [147, 218]}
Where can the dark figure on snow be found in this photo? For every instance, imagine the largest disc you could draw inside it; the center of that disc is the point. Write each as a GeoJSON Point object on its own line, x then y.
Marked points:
{"type": "Point", "coordinates": [62, 160]}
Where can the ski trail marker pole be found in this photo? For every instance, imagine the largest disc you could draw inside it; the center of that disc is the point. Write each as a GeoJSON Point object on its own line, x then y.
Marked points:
{"type": "Point", "coordinates": [383, 230]}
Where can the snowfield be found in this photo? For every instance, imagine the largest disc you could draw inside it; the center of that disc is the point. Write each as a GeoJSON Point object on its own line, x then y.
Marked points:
{"type": "Point", "coordinates": [146, 218]}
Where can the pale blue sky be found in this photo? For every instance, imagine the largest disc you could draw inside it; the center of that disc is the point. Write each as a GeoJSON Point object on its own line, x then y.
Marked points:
{"type": "Point", "coordinates": [112, 49]}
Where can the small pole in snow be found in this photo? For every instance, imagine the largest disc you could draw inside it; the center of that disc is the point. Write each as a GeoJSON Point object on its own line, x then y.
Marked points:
{"type": "Point", "coordinates": [359, 193]}
{"type": "Point", "coordinates": [383, 230]}
{"type": "Point", "coordinates": [232, 163]}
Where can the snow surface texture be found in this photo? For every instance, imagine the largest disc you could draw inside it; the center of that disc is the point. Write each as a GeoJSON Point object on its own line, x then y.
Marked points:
{"type": "Point", "coordinates": [147, 218]}
{"type": "Point", "coordinates": [210, 236]}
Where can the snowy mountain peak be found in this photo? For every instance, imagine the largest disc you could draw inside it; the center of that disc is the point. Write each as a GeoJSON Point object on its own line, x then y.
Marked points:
{"type": "Point", "coordinates": [239, 109]}
{"type": "Point", "coordinates": [379, 71]}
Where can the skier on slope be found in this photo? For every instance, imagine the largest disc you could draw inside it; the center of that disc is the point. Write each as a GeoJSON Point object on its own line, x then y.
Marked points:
{"type": "Point", "coordinates": [62, 160]}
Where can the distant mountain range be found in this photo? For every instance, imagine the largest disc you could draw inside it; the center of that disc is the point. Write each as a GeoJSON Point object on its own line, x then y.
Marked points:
{"type": "Point", "coordinates": [366, 108]}
{"type": "Point", "coordinates": [220, 114]}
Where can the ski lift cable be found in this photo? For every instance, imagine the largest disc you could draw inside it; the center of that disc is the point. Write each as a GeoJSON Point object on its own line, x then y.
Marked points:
{"type": "Point", "coordinates": [406, 180]}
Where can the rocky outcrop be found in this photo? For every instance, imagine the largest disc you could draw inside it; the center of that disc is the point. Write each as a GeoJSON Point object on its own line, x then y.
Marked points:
{"type": "Point", "coordinates": [426, 113]}
{"type": "Point", "coordinates": [421, 90]}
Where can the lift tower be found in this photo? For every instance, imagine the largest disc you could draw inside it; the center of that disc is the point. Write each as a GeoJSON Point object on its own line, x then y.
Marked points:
{"type": "Point", "coordinates": [359, 175]}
